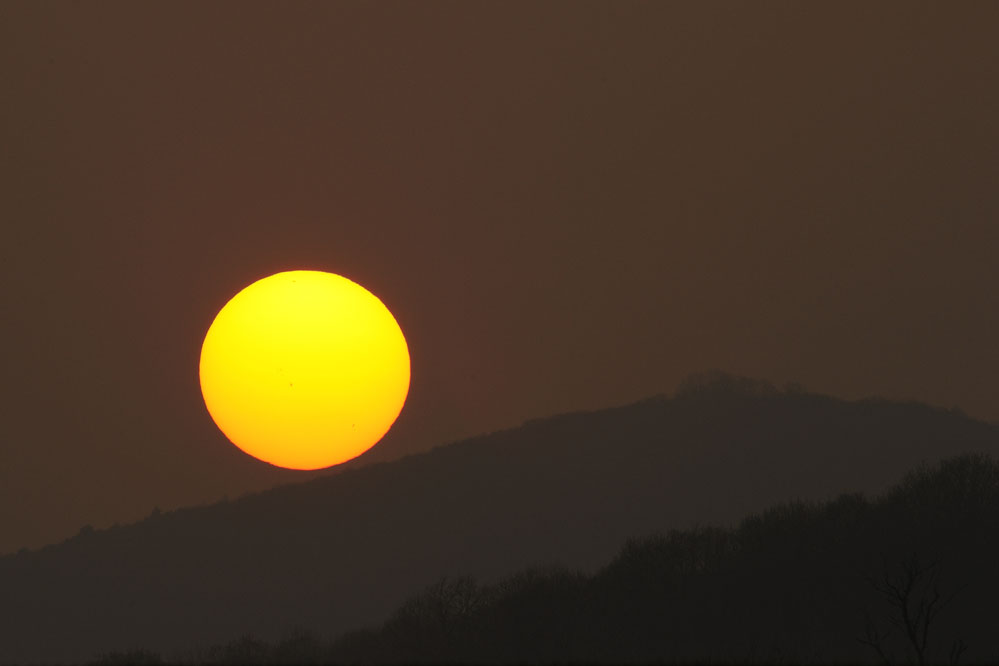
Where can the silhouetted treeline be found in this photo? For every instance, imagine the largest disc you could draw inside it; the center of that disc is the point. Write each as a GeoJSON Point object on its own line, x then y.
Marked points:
{"type": "Point", "coordinates": [341, 552]}
{"type": "Point", "coordinates": [910, 577]}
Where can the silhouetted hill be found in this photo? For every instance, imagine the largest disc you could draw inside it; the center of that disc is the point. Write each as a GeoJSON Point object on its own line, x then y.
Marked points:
{"type": "Point", "coordinates": [341, 552]}
{"type": "Point", "coordinates": [907, 578]}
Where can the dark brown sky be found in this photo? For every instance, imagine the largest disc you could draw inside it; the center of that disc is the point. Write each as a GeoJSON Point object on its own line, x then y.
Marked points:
{"type": "Point", "coordinates": [566, 205]}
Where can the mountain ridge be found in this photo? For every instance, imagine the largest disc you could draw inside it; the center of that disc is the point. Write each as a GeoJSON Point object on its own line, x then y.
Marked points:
{"type": "Point", "coordinates": [339, 552]}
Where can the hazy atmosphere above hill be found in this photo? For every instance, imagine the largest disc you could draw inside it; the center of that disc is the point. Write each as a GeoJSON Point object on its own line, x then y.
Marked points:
{"type": "Point", "coordinates": [566, 205]}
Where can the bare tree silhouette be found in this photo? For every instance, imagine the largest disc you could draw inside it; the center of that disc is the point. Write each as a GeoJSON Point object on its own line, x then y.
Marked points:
{"type": "Point", "coordinates": [912, 591]}
{"type": "Point", "coordinates": [428, 622]}
{"type": "Point", "coordinates": [875, 638]}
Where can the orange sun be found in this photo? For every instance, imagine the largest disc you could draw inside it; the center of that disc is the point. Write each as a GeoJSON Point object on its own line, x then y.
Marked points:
{"type": "Point", "coordinates": [304, 369]}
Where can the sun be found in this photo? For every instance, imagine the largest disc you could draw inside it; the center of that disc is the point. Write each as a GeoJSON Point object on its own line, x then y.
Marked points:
{"type": "Point", "coordinates": [304, 369]}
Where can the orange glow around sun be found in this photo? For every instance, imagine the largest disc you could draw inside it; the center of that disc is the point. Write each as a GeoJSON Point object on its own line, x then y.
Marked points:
{"type": "Point", "coordinates": [304, 369]}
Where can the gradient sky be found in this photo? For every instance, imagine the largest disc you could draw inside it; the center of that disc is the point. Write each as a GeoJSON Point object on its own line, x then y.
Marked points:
{"type": "Point", "coordinates": [566, 205]}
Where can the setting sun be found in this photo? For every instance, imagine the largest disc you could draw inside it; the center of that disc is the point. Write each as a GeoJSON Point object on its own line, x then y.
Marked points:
{"type": "Point", "coordinates": [304, 369]}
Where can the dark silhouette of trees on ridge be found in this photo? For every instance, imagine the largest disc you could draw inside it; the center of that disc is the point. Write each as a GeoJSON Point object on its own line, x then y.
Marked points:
{"type": "Point", "coordinates": [907, 577]}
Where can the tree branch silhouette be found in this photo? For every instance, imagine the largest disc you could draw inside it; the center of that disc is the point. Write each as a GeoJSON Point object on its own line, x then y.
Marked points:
{"type": "Point", "coordinates": [912, 592]}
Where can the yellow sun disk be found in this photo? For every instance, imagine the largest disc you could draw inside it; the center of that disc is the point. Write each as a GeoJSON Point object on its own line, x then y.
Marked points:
{"type": "Point", "coordinates": [304, 369]}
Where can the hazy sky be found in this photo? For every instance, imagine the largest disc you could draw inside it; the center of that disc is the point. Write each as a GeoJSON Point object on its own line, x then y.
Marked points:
{"type": "Point", "coordinates": [566, 205]}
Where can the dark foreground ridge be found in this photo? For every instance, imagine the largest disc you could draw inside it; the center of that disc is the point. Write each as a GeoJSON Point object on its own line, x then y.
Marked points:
{"type": "Point", "coordinates": [907, 578]}
{"type": "Point", "coordinates": [340, 553]}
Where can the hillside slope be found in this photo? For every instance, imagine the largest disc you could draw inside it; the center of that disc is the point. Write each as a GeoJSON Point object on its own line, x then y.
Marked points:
{"type": "Point", "coordinates": [817, 582]}
{"type": "Point", "coordinates": [341, 552]}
